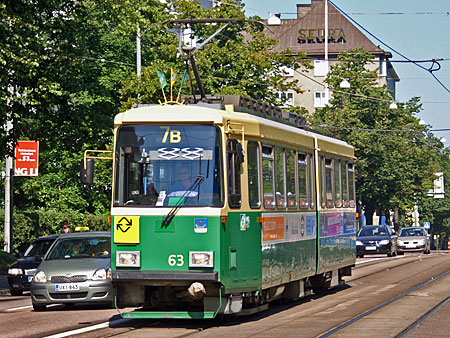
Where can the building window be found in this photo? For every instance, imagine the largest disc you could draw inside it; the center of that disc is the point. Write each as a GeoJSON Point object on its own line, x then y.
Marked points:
{"type": "Point", "coordinates": [320, 68]}
{"type": "Point", "coordinates": [288, 72]}
{"type": "Point", "coordinates": [320, 99]}
{"type": "Point", "coordinates": [383, 67]}
{"type": "Point", "coordinates": [286, 98]}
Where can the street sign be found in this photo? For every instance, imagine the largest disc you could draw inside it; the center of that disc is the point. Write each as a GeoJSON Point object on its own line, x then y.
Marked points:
{"type": "Point", "coordinates": [27, 158]}
{"type": "Point", "coordinates": [426, 225]}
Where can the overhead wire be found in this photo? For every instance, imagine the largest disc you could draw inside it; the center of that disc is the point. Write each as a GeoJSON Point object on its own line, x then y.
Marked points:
{"type": "Point", "coordinates": [385, 44]}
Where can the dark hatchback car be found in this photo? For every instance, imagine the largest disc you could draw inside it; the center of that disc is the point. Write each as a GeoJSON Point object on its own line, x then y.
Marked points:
{"type": "Point", "coordinates": [21, 272]}
{"type": "Point", "coordinates": [376, 239]}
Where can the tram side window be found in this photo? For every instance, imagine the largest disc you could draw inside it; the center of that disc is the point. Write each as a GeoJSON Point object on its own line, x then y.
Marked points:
{"type": "Point", "coordinates": [290, 178]}
{"type": "Point", "coordinates": [337, 184]}
{"type": "Point", "coordinates": [344, 184]}
{"type": "Point", "coordinates": [311, 179]}
{"type": "Point", "coordinates": [322, 182]}
{"type": "Point", "coordinates": [254, 189]}
{"type": "Point", "coordinates": [280, 177]}
{"type": "Point", "coordinates": [267, 170]}
{"type": "Point", "coordinates": [329, 182]}
{"type": "Point", "coordinates": [234, 159]}
{"type": "Point", "coordinates": [351, 185]}
{"type": "Point", "coordinates": [302, 180]}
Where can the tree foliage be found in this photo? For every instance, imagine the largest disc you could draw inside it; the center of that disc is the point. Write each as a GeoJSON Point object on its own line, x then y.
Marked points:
{"type": "Point", "coordinates": [393, 155]}
{"type": "Point", "coordinates": [238, 60]}
{"type": "Point", "coordinates": [68, 66]}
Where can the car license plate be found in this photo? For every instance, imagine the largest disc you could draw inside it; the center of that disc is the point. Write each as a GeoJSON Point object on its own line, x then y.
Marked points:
{"type": "Point", "coordinates": [67, 287]}
{"type": "Point", "coordinates": [410, 245]}
{"type": "Point", "coordinates": [371, 247]}
{"type": "Point", "coordinates": [30, 278]}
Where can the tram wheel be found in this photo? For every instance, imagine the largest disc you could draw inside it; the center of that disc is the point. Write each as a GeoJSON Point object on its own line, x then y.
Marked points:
{"type": "Point", "coordinates": [320, 283]}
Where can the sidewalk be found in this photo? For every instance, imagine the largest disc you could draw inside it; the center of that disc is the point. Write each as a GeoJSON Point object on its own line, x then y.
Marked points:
{"type": "Point", "coordinates": [4, 289]}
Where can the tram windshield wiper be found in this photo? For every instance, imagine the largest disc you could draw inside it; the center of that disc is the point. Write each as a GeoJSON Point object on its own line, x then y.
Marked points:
{"type": "Point", "coordinates": [169, 217]}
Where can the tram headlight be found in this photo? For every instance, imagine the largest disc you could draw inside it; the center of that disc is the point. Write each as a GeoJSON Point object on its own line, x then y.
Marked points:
{"type": "Point", "coordinates": [128, 259]}
{"type": "Point", "coordinates": [201, 259]}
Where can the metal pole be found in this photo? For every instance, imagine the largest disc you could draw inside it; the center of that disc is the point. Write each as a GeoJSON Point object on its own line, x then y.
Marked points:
{"type": "Point", "coordinates": [326, 46]}
{"type": "Point", "coordinates": [138, 52]}
{"type": "Point", "coordinates": [326, 33]}
{"type": "Point", "coordinates": [8, 192]}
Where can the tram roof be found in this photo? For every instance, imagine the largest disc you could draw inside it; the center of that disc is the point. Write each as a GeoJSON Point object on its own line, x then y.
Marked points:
{"type": "Point", "coordinates": [270, 124]}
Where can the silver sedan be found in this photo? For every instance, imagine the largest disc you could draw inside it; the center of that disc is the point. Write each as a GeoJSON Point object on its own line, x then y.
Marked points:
{"type": "Point", "coordinates": [76, 269]}
{"type": "Point", "coordinates": [413, 239]}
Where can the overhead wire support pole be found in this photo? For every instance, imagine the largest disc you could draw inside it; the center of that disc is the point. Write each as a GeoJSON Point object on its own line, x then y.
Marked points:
{"type": "Point", "coordinates": [9, 174]}
{"type": "Point", "coordinates": [190, 51]}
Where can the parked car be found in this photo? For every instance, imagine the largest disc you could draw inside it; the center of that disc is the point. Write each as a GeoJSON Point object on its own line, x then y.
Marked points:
{"type": "Point", "coordinates": [76, 269]}
{"type": "Point", "coordinates": [413, 239]}
{"type": "Point", "coordinates": [21, 272]}
{"type": "Point", "coordinates": [376, 239]}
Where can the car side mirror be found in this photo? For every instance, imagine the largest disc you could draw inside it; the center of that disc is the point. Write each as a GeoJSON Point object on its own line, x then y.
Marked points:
{"type": "Point", "coordinates": [38, 258]}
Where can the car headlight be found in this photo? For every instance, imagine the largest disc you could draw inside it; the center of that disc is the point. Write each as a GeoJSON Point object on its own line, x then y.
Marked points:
{"type": "Point", "coordinates": [40, 277]}
{"type": "Point", "coordinates": [128, 259]}
{"type": "Point", "coordinates": [399, 242]}
{"type": "Point", "coordinates": [421, 241]}
{"type": "Point", "coordinates": [15, 271]}
{"type": "Point", "coordinates": [203, 259]}
{"type": "Point", "coordinates": [359, 243]}
{"type": "Point", "coordinates": [101, 274]}
{"type": "Point", "coordinates": [384, 241]}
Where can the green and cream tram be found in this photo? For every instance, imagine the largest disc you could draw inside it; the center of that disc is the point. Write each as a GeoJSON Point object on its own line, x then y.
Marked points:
{"type": "Point", "coordinates": [219, 209]}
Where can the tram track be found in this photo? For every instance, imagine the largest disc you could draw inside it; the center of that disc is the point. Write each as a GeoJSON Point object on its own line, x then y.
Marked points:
{"type": "Point", "coordinates": [422, 318]}
{"type": "Point", "coordinates": [410, 327]}
{"type": "Point", "coordinates": [417, 259]}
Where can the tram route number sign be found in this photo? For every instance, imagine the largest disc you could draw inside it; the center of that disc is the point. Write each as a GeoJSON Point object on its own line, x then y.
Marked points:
{"type": "Point", "coordinates": [27, 158]}
{"type": "Point", "coordinates": [126, 229]}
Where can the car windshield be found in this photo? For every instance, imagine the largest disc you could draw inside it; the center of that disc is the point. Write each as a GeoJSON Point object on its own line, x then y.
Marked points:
{"type": "Point", "coordinates": [81, 247]}
{"type": "Point", "coordinates": [157, 166]}
{"type": "Point", "coordinates": [373, 231]}
{"type": "Point", "coordinates": [412, 232]}
{"type": "Point", "coordinates": [39, 247]}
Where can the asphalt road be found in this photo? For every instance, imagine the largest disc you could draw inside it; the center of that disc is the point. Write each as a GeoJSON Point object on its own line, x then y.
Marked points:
{"type": "Point", "coordinates": [376, 280]}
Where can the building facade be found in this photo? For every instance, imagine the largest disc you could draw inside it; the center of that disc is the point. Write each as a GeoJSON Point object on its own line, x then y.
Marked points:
{"type": "Point", "coordinates": [306, 33]}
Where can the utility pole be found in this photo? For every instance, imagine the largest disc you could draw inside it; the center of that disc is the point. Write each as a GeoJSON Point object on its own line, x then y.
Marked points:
{"type": "Point", "coordinates": [138, 52]}
{"type": "Point", "coordinates": [8, 195]}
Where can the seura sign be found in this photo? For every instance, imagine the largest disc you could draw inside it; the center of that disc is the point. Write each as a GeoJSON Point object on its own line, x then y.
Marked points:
{"type": "Point", "coordinates": [27, 158]}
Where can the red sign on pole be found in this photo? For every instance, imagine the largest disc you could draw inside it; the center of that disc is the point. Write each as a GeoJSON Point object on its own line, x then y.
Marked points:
{"type": "Point", "coordinates": [27, 158]}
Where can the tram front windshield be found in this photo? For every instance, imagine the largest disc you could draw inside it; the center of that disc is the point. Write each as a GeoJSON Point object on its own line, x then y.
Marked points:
{"type": "Point", "coordinates": [164, 166]}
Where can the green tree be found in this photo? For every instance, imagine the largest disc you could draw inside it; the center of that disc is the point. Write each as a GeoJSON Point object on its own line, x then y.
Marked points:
{"type": "Point", "coordinates": [238, 60]}
{"type": "Point", "coordinates": [393, 159]}
{"type": "Point", "coordinates": [62, 66]}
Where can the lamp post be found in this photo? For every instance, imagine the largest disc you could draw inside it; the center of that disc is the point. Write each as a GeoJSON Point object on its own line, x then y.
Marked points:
{"type": "Point", "coordinates": [138, 52]}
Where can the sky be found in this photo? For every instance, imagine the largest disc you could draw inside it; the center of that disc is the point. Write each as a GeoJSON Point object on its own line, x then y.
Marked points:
{"type": "Point", "coordinates": [420, 32]}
